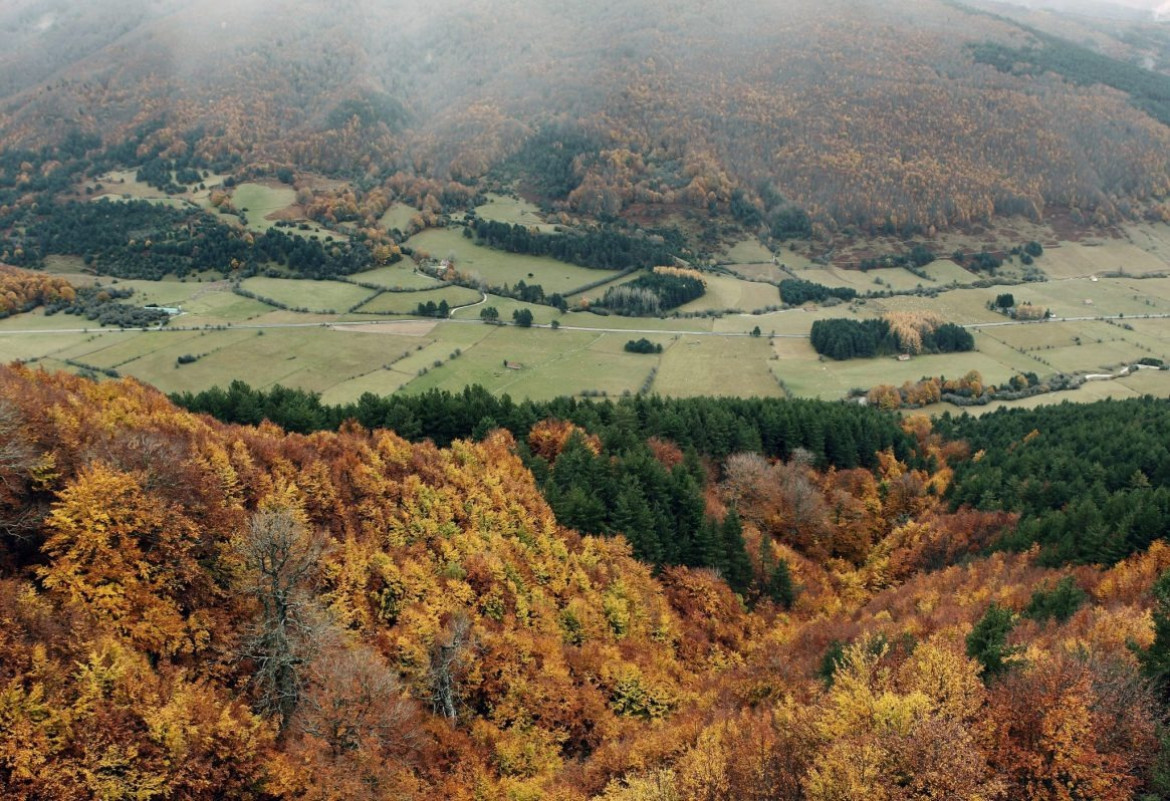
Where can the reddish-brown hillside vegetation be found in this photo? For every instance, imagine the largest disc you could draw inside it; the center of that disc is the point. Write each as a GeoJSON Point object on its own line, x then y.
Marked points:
{"type": "Point", "coordinates": [195, 610]}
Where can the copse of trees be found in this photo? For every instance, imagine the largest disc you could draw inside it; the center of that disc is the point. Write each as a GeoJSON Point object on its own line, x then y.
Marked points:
{"type": "Point", "coordinates": [918, 257]}
{"type": "Point", "coordinates": [642, 345]}
{"type": "Point", "coordinates": [652, 293]}
{"type": "Point", "coordinates": [442, 309]}
{"type": "Point", "coordinates": [841, 338]}
{"type": "Point", "coordinates": [795, 291]}
{"type": "Point", "coordinates": [103, 305]}
{"type": "Point", "coordinates": [24, 290]}
{"type": "Point", "coordinates": [606, 248]}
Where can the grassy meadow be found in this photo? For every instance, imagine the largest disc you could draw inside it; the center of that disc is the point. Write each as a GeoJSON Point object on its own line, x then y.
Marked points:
{"type": "Point", "coordinates": [497, 268]}
{"type": "Point", "coordinates": [704, 353]}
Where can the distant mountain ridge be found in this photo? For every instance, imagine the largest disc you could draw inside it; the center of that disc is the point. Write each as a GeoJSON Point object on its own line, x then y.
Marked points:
{"type": "Point", "coordinates": [864, 115]}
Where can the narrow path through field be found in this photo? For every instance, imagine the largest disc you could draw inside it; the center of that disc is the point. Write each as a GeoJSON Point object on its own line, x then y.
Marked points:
{"type": "Point", "coordinates": [482, 300]}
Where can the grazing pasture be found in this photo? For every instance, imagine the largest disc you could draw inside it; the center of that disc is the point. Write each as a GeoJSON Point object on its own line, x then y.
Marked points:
{"type": "Point", "coordinates": [496, 267]}
{"type": "Point", "coordinates": [707, 350]}
{"type": "Point", "coordinates": [319, 296]}
{"type": "Point", "coordinates": [407, 302]}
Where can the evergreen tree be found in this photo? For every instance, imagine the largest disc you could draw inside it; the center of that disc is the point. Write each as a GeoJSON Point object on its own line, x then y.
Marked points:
{"type": "Point", "coordinates": [780, 587]}
{"type": "Point", "coordinates": [737, 566]}
{"type": "Point", "coordinates": [987, 641]}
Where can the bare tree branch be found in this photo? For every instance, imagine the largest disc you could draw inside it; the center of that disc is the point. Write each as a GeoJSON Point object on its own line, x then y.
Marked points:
{"type": "Point", "coordinates": [279, 559]}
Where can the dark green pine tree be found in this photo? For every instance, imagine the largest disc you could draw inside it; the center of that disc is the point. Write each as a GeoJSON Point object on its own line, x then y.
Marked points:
{"type": "Point", "coordinates": [737, 567]}
{"type": "Point", "coordinates": [987, 642]}
{"type": "Point", "coordinates": [705, 547]}
{"type": "Point", "coordinates": [690, 544]}
{"type": "Point", "coordinates": [780, 587]}
{"type": "Point", "coordinates": [632, 517]}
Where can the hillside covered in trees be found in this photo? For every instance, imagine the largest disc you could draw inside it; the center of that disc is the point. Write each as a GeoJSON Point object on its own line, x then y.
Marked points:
{"type": "Point", "coordinates": [202, 610]}
{"type": "Point", "coordinates": [795, 119]}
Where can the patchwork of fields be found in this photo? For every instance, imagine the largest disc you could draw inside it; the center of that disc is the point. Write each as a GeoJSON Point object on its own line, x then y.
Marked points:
{"type": "Point", "coordinates": [327, 336]}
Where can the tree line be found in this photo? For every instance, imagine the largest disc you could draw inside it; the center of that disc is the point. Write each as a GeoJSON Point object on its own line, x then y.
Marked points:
{"type": "Point", "coordinates": [605, 248]}
{"type": "Point", "coordinates": [835, 434]}
{"type": "Point", "coordinates": [796, 291]}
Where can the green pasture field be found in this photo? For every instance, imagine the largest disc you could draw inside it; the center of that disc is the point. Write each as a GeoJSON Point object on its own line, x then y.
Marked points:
{"type": "Point", "coordinates": [314, 359]}
{"type": "Point", "coordinates": [118, 351]}
{"type": "Point", "coordinates": [1148, 382]}
{"type": "Point", "coordinates": [398, 216]}
{"type": "Point", "coordinates": [1039, 336]}
{"type": "Point", "coordinates": [726, 292]}
{"type": "Point", "coordinates": [744, 323]}
{"type": "Point", "coordinates": [206, 303]}
{"type": "Point", "coordinates": [945, 271]}
{"type": "Point", "coordinates": [712, 365]}
{"type": "Point", "coordinates": [1102, 346]}
{"type": "Point", "coordinates": [514, 211]}
{"type": "Point", "coordinates": [765, 271]}
{"type": "Point", "coordinates": [959, 306]}
{"type": "Point", "coordinates": [1157, 289]}
{"type": "Point", "coordinates": [381, 381]}
{"type": "Point", "coordinates": [747, 251]}
{"type": "Point", "coordinates": [895, 278]}
{"type": "Point", "coordinates": [71, 267]}
{"type": "Point", "coordinates": [407, 302]}
{"type": "Point", "coordinates": [314, 295]}
{"type": "Point", "coordinates": [806, 375]}
{"type": "Point", "coordinates": [497, 267]}
{"type": "Point", "coordinates": [424, 356]}
{"type": "Point", "coordinates": [541, 315]}
{"type": "Point", "coordinates": [1152, 334]}
{"type": "Point", "coordinates": [39, 347]}
{"type": "Point", "coordinates": [258, 201]}
{"type": "Point", "coordinates": [1086, 298]}
{"type": "Point", "coordinates": [1080, 260]}
{"type": "Point", "coordinates": [597, 292]}
{"type": "Point", "coordinates": [396, 276]}
{"type": "Point", "coordinates": [551, 363]}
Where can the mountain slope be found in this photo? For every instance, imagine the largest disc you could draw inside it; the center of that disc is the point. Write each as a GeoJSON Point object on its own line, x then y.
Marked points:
{"type": "Point", "coordinates": [197, 610]}
{"type": "Point", "coordinates": [861, 114]}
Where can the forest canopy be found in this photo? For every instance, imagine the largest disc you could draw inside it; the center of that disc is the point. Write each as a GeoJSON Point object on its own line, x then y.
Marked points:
{"type": "Point", "coordinates": [236, 610]}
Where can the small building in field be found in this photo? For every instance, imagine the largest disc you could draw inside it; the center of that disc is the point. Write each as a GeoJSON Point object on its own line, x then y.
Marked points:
{"type": "Point", "coordinates": [903, 357]}
{"type": "Point", "coordinates": [513, 365]}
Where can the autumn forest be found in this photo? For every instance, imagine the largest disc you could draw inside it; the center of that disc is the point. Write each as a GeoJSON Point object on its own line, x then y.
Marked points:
{"type": "Point", "coordinates": [196, 609]}
{"type": "Point", "coordinates": [257, 591]}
